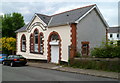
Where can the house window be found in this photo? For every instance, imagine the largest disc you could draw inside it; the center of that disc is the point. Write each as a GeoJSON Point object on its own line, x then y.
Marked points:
{"type": "Point", "coordinates": [85, 48]}
{"type": "Point", "coordinates": [41, 43]}
{"type": "Point", "coordinates": [23, 43]}
{"type": "Point", "coordinates": [111, 35]}
{"type": "Point", "coordinates": [36, 41]}
{"type": "Point", "coordinates": [118, 35]}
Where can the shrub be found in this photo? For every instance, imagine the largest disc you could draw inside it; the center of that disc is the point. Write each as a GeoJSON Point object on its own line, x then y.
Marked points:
{"type": "Point", "coordinates": [78, 54]}
{"type": "Point", "coordinates": [8, 45]}
{"type": "Point", "coordinates": [107, 51]}
{"type": "Point", "coordinates": [104, 65]}
{"type": "Point", "coordinates": [118, 43]}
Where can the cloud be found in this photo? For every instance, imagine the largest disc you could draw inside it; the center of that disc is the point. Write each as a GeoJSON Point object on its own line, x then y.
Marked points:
{"type": "Point", "coordinates": [24, 10]}
{"type": "Point", "coordinates": [62, 9]}
{"type": "Point", "coordinates": [1, 13]}
{"type": "Point", "coordinates": [28, 8]}
{"type": "Point", "coordinates": [110, 13]}
{"type": "Point", "coordinates": [47, 1]}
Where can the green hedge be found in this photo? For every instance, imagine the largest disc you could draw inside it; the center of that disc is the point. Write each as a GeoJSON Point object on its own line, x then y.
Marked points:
{"type": "Point", "coordinates": [118, 43]}
{"type": "Point", "coordinates": [107, 51]}
{"type": "Point", "coordinates": [97, 65]}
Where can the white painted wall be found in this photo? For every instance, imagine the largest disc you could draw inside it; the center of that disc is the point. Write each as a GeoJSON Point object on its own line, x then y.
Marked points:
{"type": "Point", "coordinates": [63, 31]}
{"type": "Point", "coordinates": [27, 54]}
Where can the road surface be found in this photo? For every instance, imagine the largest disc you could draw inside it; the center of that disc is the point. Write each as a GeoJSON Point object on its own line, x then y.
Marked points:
{"type": "Point", "coordinates": [27, 73]}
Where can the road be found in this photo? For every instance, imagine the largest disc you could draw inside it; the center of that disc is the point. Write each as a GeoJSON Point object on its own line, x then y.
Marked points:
{"type": "Point", "coordinates": [27, 73]}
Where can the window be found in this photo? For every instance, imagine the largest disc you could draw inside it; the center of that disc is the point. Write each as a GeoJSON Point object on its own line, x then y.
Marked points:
{"type": "Point", "coordinates": [41, 43]}
{"type": "Point", "coordinates": [8, 56]}
{"type": "Point", "coordinates": [18, 56]}
{"type": "Point", "coordinates": [118, 35]}
{"type": "Point", "coordinates": [111, 35]}
{"type": "Point", "coordinates": [23, 43]}
{"type": "Point", "coordinates": [85, 48]}
{"type": "Point", "coordinates": [36, 41]}
{"type": "Point", "coordinates": [54, 37]}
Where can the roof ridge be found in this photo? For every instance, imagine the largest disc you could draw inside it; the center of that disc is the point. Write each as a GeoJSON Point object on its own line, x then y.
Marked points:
{"type": "Point", "coordinates": [66, 11]}
{"type": "Point", "coordinates": [73, 9]}
{"type": "Point", "coordinates": [42, 14]}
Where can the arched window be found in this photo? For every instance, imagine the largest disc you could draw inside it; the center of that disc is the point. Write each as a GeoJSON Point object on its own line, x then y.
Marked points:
{"type": "Point", "coordinates": [36, 40]}
{"type": "Point", "coordinates": [23, 43]}
{"type": "Point", "coordinates": [41, 43]}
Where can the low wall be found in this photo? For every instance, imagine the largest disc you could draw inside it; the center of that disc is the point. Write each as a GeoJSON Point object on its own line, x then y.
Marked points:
{"type": "Point", "coordinates": [106, 64]}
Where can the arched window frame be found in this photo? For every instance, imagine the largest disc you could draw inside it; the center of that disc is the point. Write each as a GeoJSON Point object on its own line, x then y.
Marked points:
{"type": "Point", "coordinates": [23, 43]}
{"type": "Point", "coordinates": [36, 40]}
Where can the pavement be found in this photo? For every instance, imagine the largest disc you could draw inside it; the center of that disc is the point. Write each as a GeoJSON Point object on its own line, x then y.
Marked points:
{"type": "Point", "coordinates": [98, 73]}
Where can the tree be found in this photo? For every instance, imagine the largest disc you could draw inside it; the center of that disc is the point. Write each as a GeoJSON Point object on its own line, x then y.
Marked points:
{"type": "Point", "coordinates": [10, 23]}
{"type": "Point", "coordinates": [8, 44]}
{"type": "Point", "coordinates": [1, 25]}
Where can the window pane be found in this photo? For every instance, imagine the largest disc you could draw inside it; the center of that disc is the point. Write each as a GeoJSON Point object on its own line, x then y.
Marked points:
{"type": "Point", "coordinates": [110, 35]}
{"type": "Point", "coordinates": [18, 56]}
{"type": "Point", "coordinates": [117, 35]}
{"type": "Point", "coordinates": [36, 39]}
{"type": "Point", "coordinates": [54, 37]}
{"type": "Point", "coordinates": [23, 47]}
{"type": "Point", "coordinates": [23, 43]}
{"type": "Point", "coordinates": [36, 48]}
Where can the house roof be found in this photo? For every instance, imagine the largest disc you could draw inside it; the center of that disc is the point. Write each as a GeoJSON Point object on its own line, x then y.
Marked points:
{"type": "Point", "coordinates": [63, 18]}
{"type": "Point", "coordinates": [68, 16]}
{"type": "Point", "coordinates": [44, 18]}
{"type": "Point", "coordinates": [22, 29]}
{"type": "Point", "coordinates": [114, 29]}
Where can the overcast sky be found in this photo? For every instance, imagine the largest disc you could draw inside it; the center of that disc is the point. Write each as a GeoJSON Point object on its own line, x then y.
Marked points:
{"type": "Point", "coordinates": [27, 8]}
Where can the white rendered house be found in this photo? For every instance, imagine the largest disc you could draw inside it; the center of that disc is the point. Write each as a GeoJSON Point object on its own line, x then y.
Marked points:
{"type": "Point", "coordinates": [114, 33]}
{"type": "Point", "coordinates": [58, 37]}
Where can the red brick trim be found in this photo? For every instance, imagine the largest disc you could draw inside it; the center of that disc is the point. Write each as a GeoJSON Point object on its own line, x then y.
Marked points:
{"type": "Point", "coordinates": [38, 42]}
{"type": "Point", "coordinates": [85, 42]}
{"type": "Point", "coordinates": [49, 46]}
{"type": "Point", "coordinates": [73, 40]}
{"type": "Point", "coordinates": [31, 43]}
{"type": "Point", "coordinates": [40, 34]}
{"type": "Point", "coordinates": [23, 35]}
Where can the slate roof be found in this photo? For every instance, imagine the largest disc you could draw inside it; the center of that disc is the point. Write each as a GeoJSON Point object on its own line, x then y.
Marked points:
{"type": "Point", "coordinates": [22, 29]}
{"type": "Point", "coordinates": [114, 29]}
{"type": "Point", "coordinates": [68, 16]}
{"type": "Point", "coordinates": [45, 18]}
{"type": "Point", "coordinates": [62, 18]}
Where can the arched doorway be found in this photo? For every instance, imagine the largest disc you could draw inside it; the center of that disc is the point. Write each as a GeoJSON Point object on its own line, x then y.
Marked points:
{"type": "Point", "coordinates": [54, 47]}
